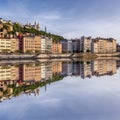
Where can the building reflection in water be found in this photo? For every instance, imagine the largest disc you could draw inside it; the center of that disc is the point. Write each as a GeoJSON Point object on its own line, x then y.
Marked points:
{"type": "Point", "coordinates": [27, 78]}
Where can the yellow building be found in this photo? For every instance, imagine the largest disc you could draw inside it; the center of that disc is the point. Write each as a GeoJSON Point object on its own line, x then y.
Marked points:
{"type": "Point", "coordinates": [5, 45]}
{"type": "Point", "coordinates": [14, 45]}
{"type": "Point", "coordinates": [57, 47]}
{"type": "Point", "coordinates": [14, 73]}
{"type": "Point", "coordinates": [102, 45]}
{"type": "Point", "coordinates": [8, 45]}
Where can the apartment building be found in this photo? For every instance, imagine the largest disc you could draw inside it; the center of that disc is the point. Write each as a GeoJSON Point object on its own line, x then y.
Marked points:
{"type": "Point", "coordinates": [29, 44]}
{"type": "Point", "coordinates": [85, 44]}
{"type": "Point", "coordinates": [103, 45]}
{"type": "Point", "coordinates": [65, 46]}
{"type": "Point", "coordinates": [8, 45]}
{"type": "Point", "coordinates": [76, 45]}
{"type": "Point", "coordinates": [14, 44]}
{"type": "Point", "coordinates": [46, 45]}
{"type": "Point", "coordinates": [5, 45]}
{"type": "Point", "coordinates": [56, 47]}
{"type": "Point", "coordinates": [37, 44]}
{"type": "Point", "coordinates": [69, 46]}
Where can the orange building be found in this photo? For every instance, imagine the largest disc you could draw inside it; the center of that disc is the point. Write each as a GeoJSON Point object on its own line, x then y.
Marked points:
{"type": "Point", "coordinates": [14, 45]}
{"type": "Point", "coordinates": [37, 43]}
{"type": "Point", "coordinates": [57, 47]}
{"type": "Point", "coordinates": [29, 44]}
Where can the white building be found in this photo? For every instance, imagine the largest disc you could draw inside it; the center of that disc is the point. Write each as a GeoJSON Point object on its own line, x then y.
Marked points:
{"type": "Point", "coordinates": [85, 44]}
{"type": "Point", "coordinates": [46, 45]}
{"type": "Point", "coordinates": [70, 46]}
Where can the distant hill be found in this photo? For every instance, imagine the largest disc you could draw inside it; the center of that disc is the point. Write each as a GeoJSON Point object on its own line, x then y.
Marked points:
{"type": "Point", "coordinates": [7, 27]}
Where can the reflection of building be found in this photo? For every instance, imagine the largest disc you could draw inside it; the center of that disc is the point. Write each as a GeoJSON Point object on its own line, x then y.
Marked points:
{"type": "Point", "coordinates": [46, 70]}
{"type": "Point", "coordinates": [118, 63]}
{"type": "Point", "coordinates": [64, 68]}
{"type": "Point", "coordinates": [76, 68]}
{"type": "Point", "coordinates": [104, 67]}
{"type": "Point", "coordinates": [85, 69]}
{"type": "Point", "coordinates": [57, 67]}
{"type": "Point", "coordinates": [8, 73]}
{"type": "Point", "coordinates": [70, 68]}
{"type": "Point", "coordinates": [118, 48]}
{"type": "Point", "coordinates": [14, 78]}
{"type": "Point", "coordinates": [31, 72]}
{"type": "Point", "coordinates": [67, 68]}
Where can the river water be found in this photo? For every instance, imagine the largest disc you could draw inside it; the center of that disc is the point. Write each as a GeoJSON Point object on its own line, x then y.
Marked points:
{"type": "Point", "coordinates": [67, 90]}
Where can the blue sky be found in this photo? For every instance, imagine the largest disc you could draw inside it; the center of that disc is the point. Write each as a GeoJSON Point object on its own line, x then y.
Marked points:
{"type": "Point", "coordinates": [70, 18]}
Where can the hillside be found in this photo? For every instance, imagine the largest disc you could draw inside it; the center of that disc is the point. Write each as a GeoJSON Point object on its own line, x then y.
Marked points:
{"type": "Point", "coordinates": [9, 28]}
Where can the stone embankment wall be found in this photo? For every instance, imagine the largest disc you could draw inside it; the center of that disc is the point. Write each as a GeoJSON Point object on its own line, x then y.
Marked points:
{"type": "Point", "coordinates": [53, 56]}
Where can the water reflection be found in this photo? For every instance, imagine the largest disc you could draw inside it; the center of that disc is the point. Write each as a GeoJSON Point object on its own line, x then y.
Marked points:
{"type": "Point", "coordinates": [26, 78]}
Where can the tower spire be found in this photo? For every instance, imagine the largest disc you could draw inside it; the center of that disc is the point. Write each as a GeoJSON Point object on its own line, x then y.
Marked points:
{"type": "Point", "coordinates": [45, 30]}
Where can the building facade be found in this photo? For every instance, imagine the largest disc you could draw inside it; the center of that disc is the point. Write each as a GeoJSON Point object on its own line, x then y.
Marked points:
{"type": "Point", "coordinates": [5, 45]}
{"type": "Point", "coordinates": [56, 47]}
{"type": "Point", "coordinates": [14, 44]}
{"type": "Point", "coordinates": [37, 44]}
{"type": "Point", "coordinates": [102, 45]}
{"type": "Point", "coordinates": [64, 46]}
{"type": "Point", "coordinates": [46, 45]}
{"type": "Point", "coordinates": [76, 45]}
{"type": "Point", "coordinates": [85, 44]}
{"type": "Point", "coordinates": [29, 44]}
